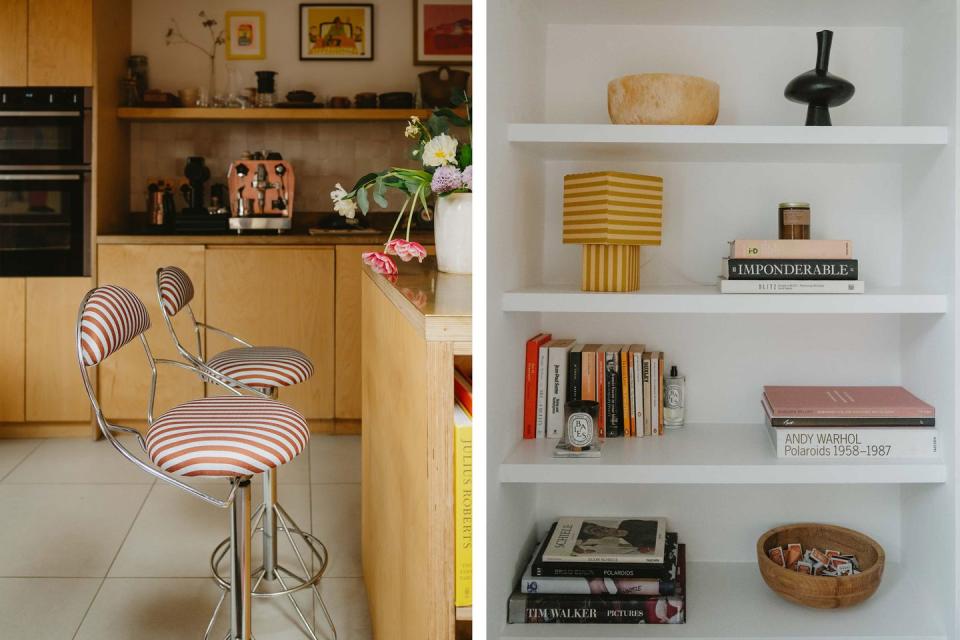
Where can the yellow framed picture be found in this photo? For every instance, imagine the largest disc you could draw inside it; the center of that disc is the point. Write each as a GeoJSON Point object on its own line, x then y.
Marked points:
{"type": "Point", "coordinates": [336, 32]}
{"type": "Point", "coordinates": [246, 35]}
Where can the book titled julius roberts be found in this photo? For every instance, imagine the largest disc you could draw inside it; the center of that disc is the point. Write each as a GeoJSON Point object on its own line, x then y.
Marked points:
{"type": "Point", "coordinates": [547, 608]}
{"type": "Point", "coordinates": [789, 269]}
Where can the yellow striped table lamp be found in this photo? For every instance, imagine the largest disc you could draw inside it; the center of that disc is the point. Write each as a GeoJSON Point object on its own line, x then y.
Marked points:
{"type": "Point", "coordinates": [612, 213]}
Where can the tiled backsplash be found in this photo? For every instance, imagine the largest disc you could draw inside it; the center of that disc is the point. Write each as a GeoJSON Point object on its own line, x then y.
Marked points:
{"type": "Point", "coordinates": [322, 153]}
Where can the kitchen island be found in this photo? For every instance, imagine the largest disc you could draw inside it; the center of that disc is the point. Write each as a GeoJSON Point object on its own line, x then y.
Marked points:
{"type": "Point", "coordinates": [414, 326]}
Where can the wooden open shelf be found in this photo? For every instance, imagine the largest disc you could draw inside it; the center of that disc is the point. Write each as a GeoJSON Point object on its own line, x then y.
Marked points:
{"type": "Point", "coordinates": [145, 114]}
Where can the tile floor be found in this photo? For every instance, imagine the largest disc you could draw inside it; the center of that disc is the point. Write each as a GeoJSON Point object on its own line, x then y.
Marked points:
{"type": "Point", "coordinates": [92, 548]}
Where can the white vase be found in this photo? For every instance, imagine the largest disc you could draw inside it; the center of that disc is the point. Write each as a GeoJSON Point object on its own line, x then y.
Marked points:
{"type": "Point", "coordinates": [453, 232]}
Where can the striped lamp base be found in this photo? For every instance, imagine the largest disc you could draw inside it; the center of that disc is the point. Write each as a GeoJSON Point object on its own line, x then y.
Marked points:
{"type": "Point", "coordinates": [611, 267]}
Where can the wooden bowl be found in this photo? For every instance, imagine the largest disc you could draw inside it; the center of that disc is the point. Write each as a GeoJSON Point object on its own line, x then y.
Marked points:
{"type": "Point", "coordinates": [822, 592]}
{"type": "Point", "coordinates": [663, 98]}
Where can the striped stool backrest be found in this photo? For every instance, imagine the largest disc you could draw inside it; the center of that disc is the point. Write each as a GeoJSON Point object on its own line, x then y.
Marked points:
{"type": "Point", "coordinates": [110, 318]}
{"type": "Point", "coordinates": [175, 289]}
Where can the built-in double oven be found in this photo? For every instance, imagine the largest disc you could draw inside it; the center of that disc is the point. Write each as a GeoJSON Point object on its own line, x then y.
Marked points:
{"type": "Point", "coordinates": [45, 148]}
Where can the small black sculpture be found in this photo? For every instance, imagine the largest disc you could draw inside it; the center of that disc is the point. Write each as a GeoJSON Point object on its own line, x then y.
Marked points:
{"type": "Point", "coordinates": [821, 90]}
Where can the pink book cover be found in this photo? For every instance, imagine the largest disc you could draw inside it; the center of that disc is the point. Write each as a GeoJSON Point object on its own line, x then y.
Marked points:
{"type": "Point", "coordinates": [794, 249]}
{"type": "Point", "coordinates": [846, 402]}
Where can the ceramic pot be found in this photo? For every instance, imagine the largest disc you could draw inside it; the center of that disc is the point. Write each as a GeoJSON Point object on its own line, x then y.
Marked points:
{"type": "Point", "coordinates": [453, 232]}
{"type": "Point", "coordinates": [663, 98]}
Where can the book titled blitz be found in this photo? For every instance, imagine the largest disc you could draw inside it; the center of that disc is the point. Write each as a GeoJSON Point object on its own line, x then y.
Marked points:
{"type": "Point", "coordinates": [785, 269]}
{"type": "Point", "coordinates": [607, 540]}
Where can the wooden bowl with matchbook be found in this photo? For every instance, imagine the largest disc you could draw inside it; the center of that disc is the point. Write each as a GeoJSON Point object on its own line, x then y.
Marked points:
{"type": "Point", "coordinates": [820, 565]}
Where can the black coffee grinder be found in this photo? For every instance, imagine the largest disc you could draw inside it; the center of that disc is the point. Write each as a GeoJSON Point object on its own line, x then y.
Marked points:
{"type": "Point", "coordinates": [195, 217]}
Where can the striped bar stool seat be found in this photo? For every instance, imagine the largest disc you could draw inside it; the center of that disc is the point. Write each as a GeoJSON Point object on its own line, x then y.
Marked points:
{"type": "Point", "coordinates": [263, 367]}
{"type": "Point", "coordinates": [226, 436]}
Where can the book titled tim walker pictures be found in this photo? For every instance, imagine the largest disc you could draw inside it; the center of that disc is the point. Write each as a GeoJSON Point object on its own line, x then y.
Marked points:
{"type": "Point", "coordinates": [596, 592]}
{"type": "Point", "coordinates": [790, 266]}
{"type": "Point", "coordinates": [849, 422]}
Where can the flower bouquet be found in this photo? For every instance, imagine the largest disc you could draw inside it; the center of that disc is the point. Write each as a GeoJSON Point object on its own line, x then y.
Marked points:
{"type": "Point", "coordinates": [446, 169]}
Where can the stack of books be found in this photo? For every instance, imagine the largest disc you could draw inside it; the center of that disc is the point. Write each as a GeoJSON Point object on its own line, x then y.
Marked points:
{"type": "Point", "coordinates": [625, 379]}
{"type": "Point", "coordinates": [790, 266]}
{"type": "Point", "coordinates": [463, 488]}
{"type": "Point", "coordinates": [604, 570]}
{"type": "Point", "coordinates": [849, 423]}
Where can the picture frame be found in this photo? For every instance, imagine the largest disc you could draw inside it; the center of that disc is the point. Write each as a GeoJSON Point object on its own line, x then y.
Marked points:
{"type": "Point", "coordinates": [246, 35]}
{"type": "Point", "coordinates": [340, 31]}
{"type": "Point", "coordinates": [443, 32]}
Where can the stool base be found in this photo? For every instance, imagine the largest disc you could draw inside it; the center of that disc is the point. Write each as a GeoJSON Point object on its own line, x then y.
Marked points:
{"type": "Point", "coordinates": [293, 582]}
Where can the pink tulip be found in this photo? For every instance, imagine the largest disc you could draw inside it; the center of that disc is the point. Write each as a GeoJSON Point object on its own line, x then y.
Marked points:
{"type": "Point", "coordinates": [379, 262]}
{"type": "Point", "coordinates": [406, 250]}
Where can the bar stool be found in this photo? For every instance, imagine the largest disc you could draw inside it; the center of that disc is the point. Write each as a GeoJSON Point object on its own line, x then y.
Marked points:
{"type": "Point", "coordinates": [260, 371]}
{"type": "Point", "coordinates": [233, 437]}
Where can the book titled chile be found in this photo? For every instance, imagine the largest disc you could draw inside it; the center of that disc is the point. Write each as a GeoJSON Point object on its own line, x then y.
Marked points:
{"type": "Point", "coordinates": [545, 608]}
{"type": "Point", "coordinates": [658, 571]}
{"type": "Point", "coordinates": [788, 269]}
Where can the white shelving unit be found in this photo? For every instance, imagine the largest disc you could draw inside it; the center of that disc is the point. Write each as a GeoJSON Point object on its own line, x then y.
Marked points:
{"type": "Point", "coordinates": [884, 177]}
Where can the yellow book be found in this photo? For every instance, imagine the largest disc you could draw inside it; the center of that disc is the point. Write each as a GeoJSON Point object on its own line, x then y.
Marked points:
{"type": "Point", "coordinates": [463, 506]}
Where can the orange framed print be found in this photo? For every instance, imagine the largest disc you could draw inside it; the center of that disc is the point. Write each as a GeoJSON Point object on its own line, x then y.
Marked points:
{"type": "Point", "coordinates": [336, 32]}
{"type": "Point", "coordinates": [443, 31]}
{"type": "Point", "coordinates": [246, 35]}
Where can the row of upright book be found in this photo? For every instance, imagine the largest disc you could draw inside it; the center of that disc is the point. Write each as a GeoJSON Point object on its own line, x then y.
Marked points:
{"type": "Point", "coordinates": [790, 266]}
{"type": "Point", "coordinates": [603, 570]}
{"type": "Point", "coordinates": [879, 422]}
{"type": "Point", "coordinates": [626, 380]}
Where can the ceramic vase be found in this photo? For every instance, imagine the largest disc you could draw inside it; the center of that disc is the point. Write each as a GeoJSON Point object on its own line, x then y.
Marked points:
{"type": "Point", "coordinates": [453, 232]}
{"type": "Point", "coordinates": [818, 88]}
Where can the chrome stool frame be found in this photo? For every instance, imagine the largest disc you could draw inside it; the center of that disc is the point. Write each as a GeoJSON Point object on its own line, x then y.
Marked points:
{"type": "Point", "coordinates": [270, 518]}
{"type": "Point", "coordinates": [237, 502]}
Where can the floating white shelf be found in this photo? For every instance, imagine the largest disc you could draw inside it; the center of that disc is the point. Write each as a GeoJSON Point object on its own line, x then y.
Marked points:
{"type": "Point", "coordinates": [708, 299]}
{"type": "Point", "coordinates": [705, 454]}
{"type": "Point", "coordinates": [730, 600]}
{"type": "Point", "coordinates": [726, 142]}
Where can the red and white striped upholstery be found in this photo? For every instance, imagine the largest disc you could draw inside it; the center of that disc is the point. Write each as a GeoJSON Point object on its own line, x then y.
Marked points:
{"type": "Point", "coordinates": [263, 366]}
{"type": "Point", "coordinates": [111, 317]}
{"type": "Point", "coordinates": [176, 289]}
{"type": "Point", "coordinates": [226, 436]}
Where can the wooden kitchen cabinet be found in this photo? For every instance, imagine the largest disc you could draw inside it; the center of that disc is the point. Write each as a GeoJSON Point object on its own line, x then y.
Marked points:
{"type": "Point", "coordinates": [59, 42]}
{"type": "Point", "coordinates": [124, 378]}
{"type": "Point", "coordinates": [279, 296]}
{"type": "Point", "coordinates": [13, 322]}
{"type": "Point", "coordinates": [13, 44]}
{"type": "Point", "coordinates": [54, 391]}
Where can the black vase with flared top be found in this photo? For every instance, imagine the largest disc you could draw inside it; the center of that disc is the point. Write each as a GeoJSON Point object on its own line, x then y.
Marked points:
{"type": "Point", "coordinates": [818, 88]}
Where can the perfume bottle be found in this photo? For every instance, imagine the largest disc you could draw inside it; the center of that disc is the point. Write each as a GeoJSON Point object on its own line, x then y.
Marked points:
{"type": "Point", "coordinates": [674, 399]}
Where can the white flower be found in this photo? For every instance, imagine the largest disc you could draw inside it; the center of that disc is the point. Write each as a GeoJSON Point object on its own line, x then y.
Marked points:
{"type": "Point", "coordinates": [338, 194]}
{"type": "Point", "coordinates": [346, 208]}
{"type": "Point", "coordinates": [413, 129]}
{"type": "Point", "coordinates": [440, 151]}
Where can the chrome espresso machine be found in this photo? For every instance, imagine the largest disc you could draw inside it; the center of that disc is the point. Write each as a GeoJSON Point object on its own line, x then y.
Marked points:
{"type": "Point", "coordinates": [261, 188]}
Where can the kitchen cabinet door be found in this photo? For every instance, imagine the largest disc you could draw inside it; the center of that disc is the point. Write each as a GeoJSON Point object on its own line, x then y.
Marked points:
{"type": "Point", "coordinates": [13, 43]}
{"type": "Point", "coordinates": [60, 43]}
{"type": "Point", "coordinates": [278, 296]}
{"type": "Point", "coordinates": [12, 326]}
{"type": "Point", "coordinates": [124, 378]}
{"type": "Point", "coordinates": [54, 390]}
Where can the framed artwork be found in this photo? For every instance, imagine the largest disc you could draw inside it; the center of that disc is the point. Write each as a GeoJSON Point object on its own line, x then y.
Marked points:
{"type": "Point", "coordinates": [443, 31]}
{"type": "Point", "coordinates": [336, 32]}
{"type": "Point", "coordinates": [246, 35]}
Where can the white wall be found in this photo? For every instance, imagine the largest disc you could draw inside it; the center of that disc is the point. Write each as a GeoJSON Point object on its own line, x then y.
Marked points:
{"type": "Point", "coordinates": [178, 66]}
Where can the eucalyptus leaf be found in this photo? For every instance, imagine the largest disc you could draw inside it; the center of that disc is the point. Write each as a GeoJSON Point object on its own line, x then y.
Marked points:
{"type": "Point", "coordinates": [362, 201]}
{"type": "Point", "coordinates": [380, 200]}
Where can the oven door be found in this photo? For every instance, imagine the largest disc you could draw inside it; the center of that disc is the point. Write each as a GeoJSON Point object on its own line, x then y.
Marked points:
{"type": "Point", "coordinates": [43, 220]}
{"type": "Point", "coordinates": [42, 137]}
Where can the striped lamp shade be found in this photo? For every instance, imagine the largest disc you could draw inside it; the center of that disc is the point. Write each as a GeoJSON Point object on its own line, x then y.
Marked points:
{"type": "Point", "coordinates": [611, 267]}
{"type": "Point", "coordinates": [612, 207]}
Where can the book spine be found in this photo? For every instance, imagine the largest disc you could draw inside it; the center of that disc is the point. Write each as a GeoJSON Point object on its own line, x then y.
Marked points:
{"type": "Point", "coordinates": [772, 269]}
{"type": "Point", "coordinates": [791, 286]}
{"type": "Point", "coordinates": [530, 389]}
{"type": "Point", "coordinates": [638, 392]}
{"type": "Point", "coordinates": [601, 393]}
{"type": "Point", "coordinates": [574, 375]}
{"type": "Point", "coordinates": [542, 392]}
{"type": "Point", "coordinates": [798, 249]}
{"type": "Point", "coordinates": [625, 393]}
{"type": "Point", "coordinates": [587, 586]}
{"type": "Point", "coordinates": [660, 374]}
{"type": "Point", "coordinates": [463, 516]}
{"type": "Point", "coordinates": [612, 395]}
{"type": "Point", "coordinates": [855, 443]}
{"type": "Point", "coordinates": [588, 386]}
{"type": "Point", "coordinates": [813, 421]}
{"type": "Point", "coordinates": [556, 390]}
{"type": "Point", "coordinates": [560, 609]}
{"type": "Point", "coordinates": [647, 409]}
{"type": "Point", "coordinates": [631, 360]}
